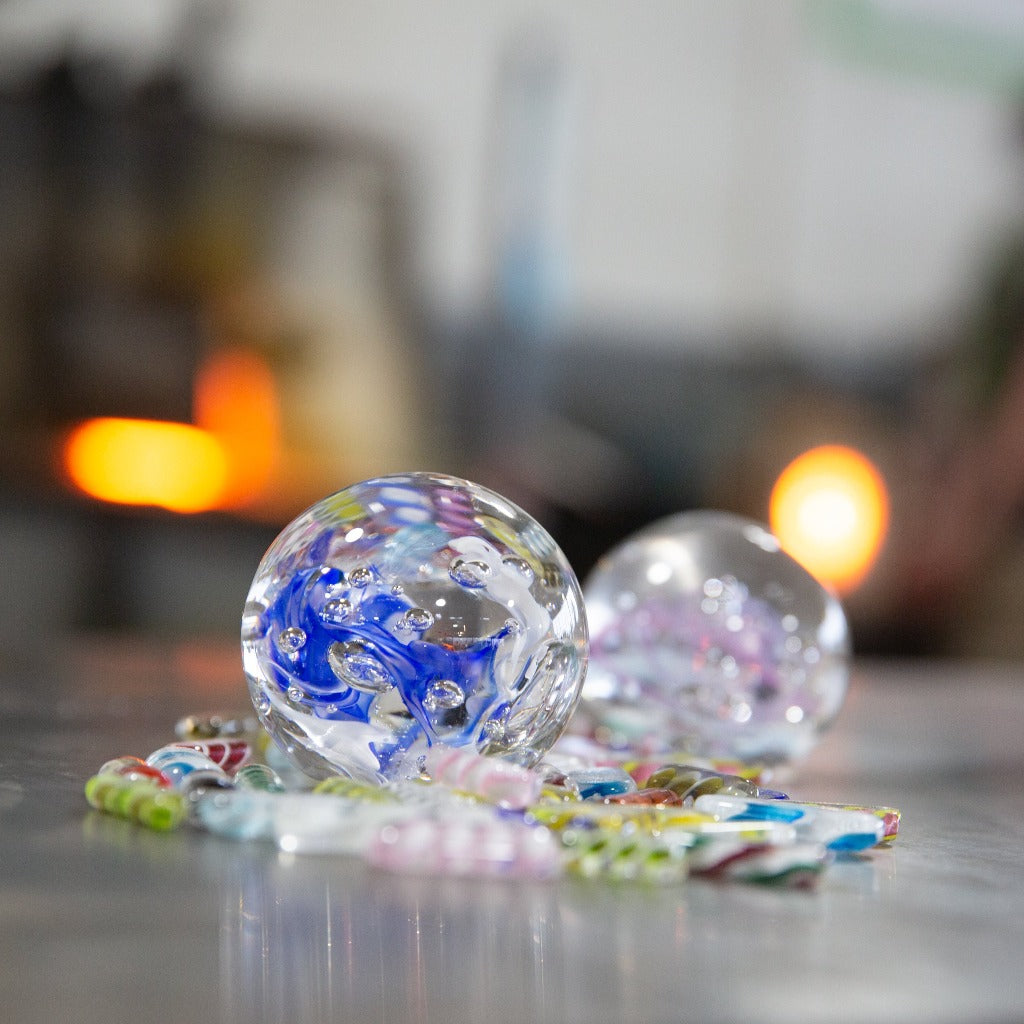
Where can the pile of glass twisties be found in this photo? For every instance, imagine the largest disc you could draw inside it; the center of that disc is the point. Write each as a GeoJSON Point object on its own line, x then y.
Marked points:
{"type": "Point", "coordinates": [583, 811]}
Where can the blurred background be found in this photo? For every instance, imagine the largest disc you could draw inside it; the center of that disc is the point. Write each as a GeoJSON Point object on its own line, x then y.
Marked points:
{"type": "Point", "coordinates": [612, 263]}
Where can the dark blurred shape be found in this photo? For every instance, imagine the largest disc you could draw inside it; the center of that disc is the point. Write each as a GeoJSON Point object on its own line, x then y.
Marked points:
{"type": "Point", "coordinates": [137, 255]}
{"type": "Point", "coordinates": [109, 324]}
{"type": "Point", "coordinates": [957, 564]}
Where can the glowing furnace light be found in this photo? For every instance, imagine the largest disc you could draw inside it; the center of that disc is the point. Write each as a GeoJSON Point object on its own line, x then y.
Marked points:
{"type": "Point", "coordinates": [235, 400]}
{"type": "Point", "coordinates": [147, 462]}
{"type": "Point", "coordinates": [225, 460]}
{"type": "Point", "coordinates": [830, 510]}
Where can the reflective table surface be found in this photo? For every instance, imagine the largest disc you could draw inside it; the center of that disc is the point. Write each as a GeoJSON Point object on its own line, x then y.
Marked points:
{"type": "Point", "coordinates": [104, 921]}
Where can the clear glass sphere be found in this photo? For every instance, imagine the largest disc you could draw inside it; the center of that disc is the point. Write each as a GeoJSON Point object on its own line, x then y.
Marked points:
{"type": "Point", "coordinates": [410, 611]}
{"type": "Point", "coordinates": [707, 638]}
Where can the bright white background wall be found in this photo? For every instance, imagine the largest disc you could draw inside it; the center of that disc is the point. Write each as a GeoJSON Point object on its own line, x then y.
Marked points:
{"type": "Point", "coordinates": [730, 171]}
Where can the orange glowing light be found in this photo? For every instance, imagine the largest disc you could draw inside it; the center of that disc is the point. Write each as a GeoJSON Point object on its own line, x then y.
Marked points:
{"type": "Point", "coordinates": [830, 511]}
{"type": "Point", "coordinates": [235, 399]}
{"type": "Point", "coordinates": [147, 462]}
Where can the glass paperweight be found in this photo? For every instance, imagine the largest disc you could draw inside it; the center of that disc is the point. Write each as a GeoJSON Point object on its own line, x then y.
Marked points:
{"type": "Point", "coordinates": [707, 638]}
{"type": "Point", "coordinates": [410, 611]}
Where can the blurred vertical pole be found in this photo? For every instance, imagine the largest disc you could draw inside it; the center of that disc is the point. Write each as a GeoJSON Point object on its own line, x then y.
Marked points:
{"type": "Point", "coordinates": [528, 223]}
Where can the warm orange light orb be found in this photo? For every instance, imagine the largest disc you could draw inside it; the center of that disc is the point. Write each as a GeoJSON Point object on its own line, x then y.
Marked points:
{"type": "Point", "coordinates": [147, 462]}
{"type": "Point", "coordinates": [830, 511]}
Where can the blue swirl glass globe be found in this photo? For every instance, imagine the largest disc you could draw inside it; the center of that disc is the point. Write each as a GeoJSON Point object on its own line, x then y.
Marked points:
{"type": "Point", "coordinates": [409, 611]}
